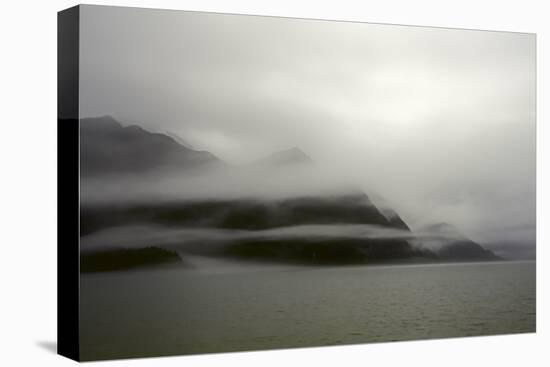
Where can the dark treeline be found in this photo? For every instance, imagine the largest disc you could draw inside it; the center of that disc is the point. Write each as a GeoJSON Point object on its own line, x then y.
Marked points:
{"type": "Point", "coordinates": [125, 259]}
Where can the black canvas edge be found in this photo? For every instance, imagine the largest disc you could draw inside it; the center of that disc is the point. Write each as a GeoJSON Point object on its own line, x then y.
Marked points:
{"type": "Point", "coordinates": [68, 183]}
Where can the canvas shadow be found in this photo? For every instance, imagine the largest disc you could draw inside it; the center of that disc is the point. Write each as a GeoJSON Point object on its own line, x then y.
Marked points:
{"type": "Point", "coordinates": [50, 346]}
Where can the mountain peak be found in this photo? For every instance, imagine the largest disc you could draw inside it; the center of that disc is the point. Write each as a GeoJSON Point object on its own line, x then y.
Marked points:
{"type": "Point", "coordinates": [289, 156]}
{"type": "Point", "coordinates": [101, 122]}
{"type": "Point", "coordinates": [108, 147]}
{"type": "Point", "coordinates": [442, 227]}
{"type": "Point", "coordinates": [444, 230]}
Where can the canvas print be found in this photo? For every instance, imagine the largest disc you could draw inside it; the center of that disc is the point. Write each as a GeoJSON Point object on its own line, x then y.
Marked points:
{"type": "Point", "coordinates": [251, 182]}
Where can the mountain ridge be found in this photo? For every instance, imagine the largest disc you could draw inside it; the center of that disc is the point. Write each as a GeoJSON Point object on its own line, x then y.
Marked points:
{"type": "Point", "coordinates": [457, 246]}
{"type": "Point", "coordinates": [291, 156]}
{"type": "Point", "coordinates": [107, 147]}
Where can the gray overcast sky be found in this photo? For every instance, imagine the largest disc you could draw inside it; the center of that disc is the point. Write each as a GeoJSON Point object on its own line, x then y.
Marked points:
{"type": "Point", "coordinates": [440, 122]}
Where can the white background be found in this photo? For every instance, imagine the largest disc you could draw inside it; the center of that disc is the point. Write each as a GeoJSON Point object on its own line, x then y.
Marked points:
{"type": "Point", "coordinates": [28, 184]}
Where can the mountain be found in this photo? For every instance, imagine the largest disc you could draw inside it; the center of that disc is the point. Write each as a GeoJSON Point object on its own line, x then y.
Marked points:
{"type": "Point", "coordinates": [285, 158]}
{"type": "Point", "coordinates": [465, 250]}
{"type": "Point", "coordinates": [107, 148]}
{"type": "Point", "coordinates": [238, 214]}
{"type": "Point", "coordinates": [456, 246]}
{"type": "Point", "coordinates": [512, 249]}
{"type": "Point", "coordinates": [125, 259]}
{"type": "Point", "coordinates": [255, 215]}
{"type": "Point", "coordinates": [326, 251]}
{"type": "Point", "coordinates": [390, 214]}
{"type": "Point", "coordinates": [179, 139]}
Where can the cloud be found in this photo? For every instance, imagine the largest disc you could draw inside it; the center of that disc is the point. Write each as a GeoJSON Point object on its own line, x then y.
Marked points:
{"type": "Point", "coordinates": [203, 240]}
{"type": "Point", "coordinates": [439, 122]}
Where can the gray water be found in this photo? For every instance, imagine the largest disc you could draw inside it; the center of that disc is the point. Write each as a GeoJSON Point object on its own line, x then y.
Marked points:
{"type": "Point", "coordinates": [187, 311]}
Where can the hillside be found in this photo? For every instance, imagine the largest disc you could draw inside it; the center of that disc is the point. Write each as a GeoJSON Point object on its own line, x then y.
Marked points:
{"type": "Point", "coordinates": [108, 148]}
